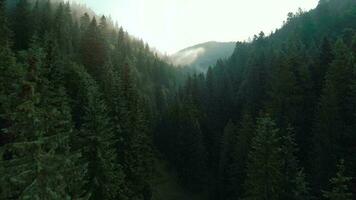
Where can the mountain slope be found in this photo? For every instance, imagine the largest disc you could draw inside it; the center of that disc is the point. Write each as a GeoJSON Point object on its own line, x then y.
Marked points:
{"type": "Point", "coordinates": [298, 83]}
{"type": "Point", "coordinates": [78, 98]}
{"type": "Point", "coordinates": [199, 57]}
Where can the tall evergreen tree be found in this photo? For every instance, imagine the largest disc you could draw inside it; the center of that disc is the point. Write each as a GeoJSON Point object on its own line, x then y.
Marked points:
{"type": "Point", "coordinates": [4, 30]}
{"type": "Point", "coordinates": [104, 176]}
{"type": "Point", "coordinates": [22, 25]}
{"type": "Point", "coordinates": [136, 142]}
{"type": "Point", "coordinates": [293, 184]}
{"type": "Point", "coordinates": [302, 190]}
{"type": "Point", "coordinates": [330, 131]}
{"type": "Point", "coordinates": [63, 24]}
{"type": "Point", "coordinates": [325, 58]}
{"type": "Point", "coordinates": [264, 167]}
{"type": "Point", "coordinates": [228, 141]}
{"type": "Point", "coordinates": [42, 134]}
{"type": "Point", "coordinates": [234, 173]}
{"type": "Point", "coordinates": [340, 184]}
{"type": "Point", "coordinates": [93, 54]}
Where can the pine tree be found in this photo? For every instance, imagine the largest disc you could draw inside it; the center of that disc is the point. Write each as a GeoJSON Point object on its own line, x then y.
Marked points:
{"type": "Point", "coordinates": [302, 190]}
{"type": "Point", "coordinates": [63, 24]}
{"type": "Point", "coordinates": [11, 77]}
{"type": "Point", "coordinates": [84, 23]}
{"type": "Point", "coordinates": [283, 93]}
{"type": "Point", "coordinates": [340, 184]}
{"type": "Point", "coordinates": [104, 176]}
{"type": "Point", "coordinates": [93, 53]}
{"type": "Point", "coordinates": [238, 147]}
{"type": "Point", "coordinates": [325, 58]}
{"type": "Point", "coordinates": [46, 18]}
{"type": "Point", "coordinates": [330, 132]}
{"type": "Point", "coordinates": [139, 155]}
{"type": "Point", "coordinates": [135, 144]}
{"type": "Point", "coordinates": [227, 141]}
{"type": "Point", "coordinates": [291, 174]}
{"type": "Point", "coordinates": [104, 30]}
{"type": "Point", "coordinates": [4, 31]}
{"type": "Point", "coordinates": [352, 106]}
{"type": "Point", "coordinates": [41, 121]}
{"type": "Point", "coordinates": [192, 149]}
{"type": "Point", "coordinates": [22, 25]}
{"type": "Point", "coordinates": [121, 50]}
{"type": "Point", "coordinates": [264, 167]}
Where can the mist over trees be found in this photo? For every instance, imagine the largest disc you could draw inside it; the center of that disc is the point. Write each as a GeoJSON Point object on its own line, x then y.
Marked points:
{"type": "Point", "coordinates": [89, 112]}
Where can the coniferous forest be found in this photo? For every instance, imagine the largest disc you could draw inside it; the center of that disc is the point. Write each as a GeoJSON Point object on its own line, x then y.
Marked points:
{"type": "Point", "coordinates": [88, 112]}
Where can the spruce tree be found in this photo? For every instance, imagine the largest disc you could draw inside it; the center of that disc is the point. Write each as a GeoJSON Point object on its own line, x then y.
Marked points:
{"type": "Point", "coordinates": [84, 23]}
{"type": "Point", "coordinates": [291, 174]}
{"type": "Point", "coordinates": [302, 190]}
{"type": "Point", "coordinates": [330, 132]}
{"type": "Point", "coordinates": [104, 176]}
{"type": "Point", "coordinates": [135, 141]}
{"type": "Point", "coordinates": [46, 18]}
{"type": "Point", "coordinates": [11, 77]}
{"type": "Point", "coordinates": [227, 141]}
{"type": "Point", "coordinates": [63, 24]}
{"type": "Point", "coordinates": [93, 53]}
{"type": "Point", "coordinates": [264, 167]}
{"type": "Point", "coordinates": [340, 185]}
{"type": "Point", "coordinates": [22, 25]}
{"type": "Point", "coordinates": [283, 92]}
{"type": "Point", "coordinates": [39, 164]}
{"type": "Point", "coordinates": [238, 147]}
{"type": "Point", "coordinates": [4, 30]}
{"type": "Point", "coordinates": [325, 58]}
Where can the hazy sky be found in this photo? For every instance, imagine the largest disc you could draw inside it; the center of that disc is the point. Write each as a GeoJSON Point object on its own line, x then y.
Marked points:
{"type": "Point", "coordinates": [171, 25]}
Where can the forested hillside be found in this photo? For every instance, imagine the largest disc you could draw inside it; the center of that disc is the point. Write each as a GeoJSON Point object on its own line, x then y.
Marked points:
{"type": "Point", "coordinates": [89, 112]}
{"type": "Point", "coordinates": [276, 120]}
{"type": "Point", "coordinates": [78, 98]}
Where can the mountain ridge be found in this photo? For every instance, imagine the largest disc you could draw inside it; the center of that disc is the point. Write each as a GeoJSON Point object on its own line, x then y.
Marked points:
{"type": "Point", "coordinates": [201, 56]}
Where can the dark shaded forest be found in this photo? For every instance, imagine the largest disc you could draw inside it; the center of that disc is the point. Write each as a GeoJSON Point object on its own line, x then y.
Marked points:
{"type": "Point", "coordinates": [89, 112]}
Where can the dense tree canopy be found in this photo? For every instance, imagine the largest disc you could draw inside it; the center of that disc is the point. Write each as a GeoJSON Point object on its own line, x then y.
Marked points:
{"type": "Point", "coordinates": [75, 114]}
{"type": "Point", "coordinates": [89, 112]}
{"type": "Point", "coordinates": [302, 77]}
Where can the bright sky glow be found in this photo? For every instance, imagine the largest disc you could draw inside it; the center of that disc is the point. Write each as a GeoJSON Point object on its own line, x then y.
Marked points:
{"type": "Point", "coordinates": [171, 25]}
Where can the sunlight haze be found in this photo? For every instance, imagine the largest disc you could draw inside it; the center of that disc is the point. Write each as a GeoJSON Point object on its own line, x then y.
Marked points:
{"type": "Point", "coordinates": [171, 25]}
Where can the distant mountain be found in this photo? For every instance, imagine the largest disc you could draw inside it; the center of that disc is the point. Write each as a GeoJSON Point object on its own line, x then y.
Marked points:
{"type": "Point", "coordinates": [201, 56]}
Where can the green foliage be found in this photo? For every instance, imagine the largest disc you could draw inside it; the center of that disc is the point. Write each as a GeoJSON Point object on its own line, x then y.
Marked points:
{"type": "Point", "coordinates": [96, 140]}
{"type": "Point", "coordinates": [73, 132]}
{"type": "Point", "coordinates": [21, 25]}
{"type": "Point", "coordinates": [183, 143]}
{"type": "Point", "coordinates": [233, 159]}
{"type": "Point", "coordinates": [332, 124]}
{"type": "Point", "coordinates": [264, 167]}
{"type": "Point", "coordinates": [302, 190]}
{"type": "Point", "coordinates": [339, 184]}
{"type": "Point", "coordinates": [303, 75]}
{"type": "Point", "coordinates": [38, 162]}
{"type": "Point", "coordinates": [82, 107]}
{"type": "Point", "coordinates": [4, 31]}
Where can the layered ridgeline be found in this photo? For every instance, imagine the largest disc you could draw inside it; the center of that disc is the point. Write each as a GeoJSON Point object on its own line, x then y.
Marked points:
{"type": "Point", "coordinates": [277, 119]}
{"type": "Point", "coordinates": [78, 97]}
